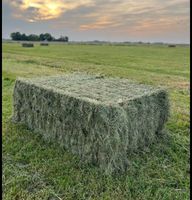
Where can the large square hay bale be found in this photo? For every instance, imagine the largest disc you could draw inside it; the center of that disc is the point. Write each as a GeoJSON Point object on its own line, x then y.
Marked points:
{"type": "Point", "coordinates": [27, 45]}
{"type": "Point", "coordinates": [99, 119]}
{"type": "Point", "coordinates": [44, 44]}
{"type": "Point", "coordinates": [172, 45]}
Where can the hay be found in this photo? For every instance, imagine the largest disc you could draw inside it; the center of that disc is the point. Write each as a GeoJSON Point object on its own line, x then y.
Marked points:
{"type": "Point", "coordinates": [44, 44]}
{"type": "Point", "coordinates": [27, 45]}
{"type": "Point", "coordinates": [171, 45]}
{"type": "Point", "coordinates": [101, 120]}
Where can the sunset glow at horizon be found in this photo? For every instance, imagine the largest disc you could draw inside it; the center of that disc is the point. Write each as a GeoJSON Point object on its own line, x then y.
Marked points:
{"type": "Point", "coordinates": [110, 20]}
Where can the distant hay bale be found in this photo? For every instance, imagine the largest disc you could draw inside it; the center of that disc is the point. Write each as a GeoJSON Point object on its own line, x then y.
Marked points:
{"type": "Point", "coordinates": [44, 44]}
{"type": "Point", "coordinates": [171, 45]}
{"type": "Point", "coordinates": [27, 45]}
{"type": "Point", "coordinates": [100, 119]}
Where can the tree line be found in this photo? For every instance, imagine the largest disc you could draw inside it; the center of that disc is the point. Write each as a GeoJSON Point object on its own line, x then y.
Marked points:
{"type": "Point", "coordinates": [33, 37]}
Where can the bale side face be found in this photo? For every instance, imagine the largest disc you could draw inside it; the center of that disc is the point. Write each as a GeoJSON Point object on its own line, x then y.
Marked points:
{"type": "Point", "coordinates": [102, 134]}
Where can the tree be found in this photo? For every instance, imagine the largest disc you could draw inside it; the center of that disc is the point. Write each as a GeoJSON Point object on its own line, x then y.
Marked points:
{"type": "Point", "coordinates": [41, 37]}
{"type": "Point", "coordinates": [66, 39]}
{"type": "Point", "coordinates": [63, 39]}
{"type": "Point", "coordinates": [13, 36]}
{"type": "Point", "coordinates": [16, 36]}
{"type": "Point", "coordinates": [24, 37]}
{"type": "Point", "coordinates": [48, 37]}
{"type": "Point", "coordinates": [34, 37]}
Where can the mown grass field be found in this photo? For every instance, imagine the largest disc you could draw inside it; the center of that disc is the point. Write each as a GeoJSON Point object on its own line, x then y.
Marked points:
{"type": "Point", "coordinates": [35, 169]}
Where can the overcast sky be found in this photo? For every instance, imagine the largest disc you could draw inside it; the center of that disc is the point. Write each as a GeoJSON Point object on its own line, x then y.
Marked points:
{"type": "Point", "coordinates": [109, 20]}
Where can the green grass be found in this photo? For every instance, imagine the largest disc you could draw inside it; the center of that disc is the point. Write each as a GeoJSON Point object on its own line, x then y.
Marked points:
{"type": "Point", "coordinates": [36, 169]}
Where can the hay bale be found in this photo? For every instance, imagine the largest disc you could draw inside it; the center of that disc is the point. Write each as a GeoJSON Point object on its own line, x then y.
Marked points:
{"type": "Point", "coordinates": [100, 119]}
{"type": "Point", "coordinates": [27, 45]}
{"type": "Point", "coordinates": [171, 45]}
{"type": "Point", "coordinates": [44, 44]}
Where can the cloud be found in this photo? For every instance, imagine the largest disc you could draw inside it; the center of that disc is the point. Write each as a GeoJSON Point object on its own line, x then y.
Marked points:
{"type": "Point", "coordinates": [101, 23]}
{"type": "Point", "coordinates": [128, 17]}
{"type": "Point", "coordinates": [137, 17]}
{"type": "Point", "coordinates": [36, 10]}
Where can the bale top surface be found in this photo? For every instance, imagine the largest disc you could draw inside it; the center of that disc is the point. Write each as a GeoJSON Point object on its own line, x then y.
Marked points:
{"type": "Point", "coordinates": [94, 89]}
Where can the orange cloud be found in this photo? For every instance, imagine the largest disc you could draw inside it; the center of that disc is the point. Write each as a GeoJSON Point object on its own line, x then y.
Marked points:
{"type": "Point", "coordinates": [101, 23]}
{"type": "Point", "coordinates": [131, 16]}
{"type": "Point", "coordinates": [47, 9]}
{"type": "Point", "coordinates": [157, 27]}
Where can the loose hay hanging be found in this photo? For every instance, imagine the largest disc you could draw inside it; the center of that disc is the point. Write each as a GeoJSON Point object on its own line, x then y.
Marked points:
{"type": "Point", "coordinates": [99, 119]}
{"type": "Point", "coordinates": [27, 45]}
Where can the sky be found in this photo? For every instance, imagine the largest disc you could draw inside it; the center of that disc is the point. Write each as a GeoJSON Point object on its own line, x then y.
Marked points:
{"type": "Point", "coordinates": [106, 20]}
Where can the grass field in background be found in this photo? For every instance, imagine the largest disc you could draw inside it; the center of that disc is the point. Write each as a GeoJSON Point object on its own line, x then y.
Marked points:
{"type": "Point", "coordinates": [35, 169]}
